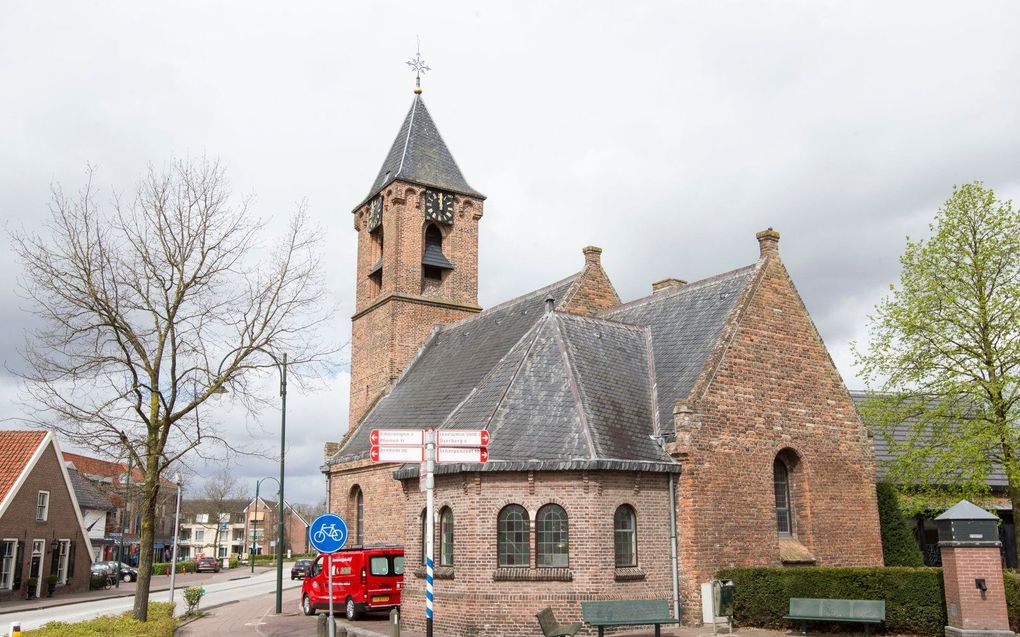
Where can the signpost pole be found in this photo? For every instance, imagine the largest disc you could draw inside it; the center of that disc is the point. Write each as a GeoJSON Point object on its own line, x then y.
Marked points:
{"type": "Point", "coordinates": [430, 464]}
{"type": "Point", "coordinates": [329, 574]}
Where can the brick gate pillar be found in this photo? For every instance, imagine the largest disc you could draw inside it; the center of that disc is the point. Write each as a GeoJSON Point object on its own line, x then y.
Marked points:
{"type": "Point", "coordinates": [972, 572]}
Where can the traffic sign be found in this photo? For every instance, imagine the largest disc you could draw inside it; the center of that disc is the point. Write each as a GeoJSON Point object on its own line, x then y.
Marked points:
{"type": "Point", "coordinates": [328, 533]}
{"type": "Point", "coordinates": [397, 437]}
{"type": "Point", "coordinates": [462, 454]}
{"type": "Point", "coordinates": [397, 454]}
{"type": "Point", "coordinates": [462, 437]}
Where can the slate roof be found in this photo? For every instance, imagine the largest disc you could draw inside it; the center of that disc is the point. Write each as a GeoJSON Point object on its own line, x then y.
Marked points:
{"type": "Point", "coordinates": [685, 323]}
{"type": "Point", "coordinates": [419, 155]}
{"type": "Point", "coordinates": [16, 449]}
{"type": "Point", "coordinates": [89, 495]}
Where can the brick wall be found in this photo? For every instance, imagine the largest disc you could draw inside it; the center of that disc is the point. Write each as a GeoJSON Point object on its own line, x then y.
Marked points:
{"type": "Point", "coordinates": [392, 322]}
{"type": "Point", "coordinates": [592, 292]}
{"type": "Point", "coordinates": [967, 607]}
{"type": "Point", "coordinates": [62, 524]}
{"type": "Point", "coordinates": [470, 600]}
{"type": "Point", "coordinates": [382, 495]}
{"type": "Point", "coordinates": [772, 387]}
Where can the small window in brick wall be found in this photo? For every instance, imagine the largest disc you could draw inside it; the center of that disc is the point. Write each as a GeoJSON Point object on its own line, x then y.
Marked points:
{"type": "Point", "coordinates": [625, 537]}
{"type": "Point", "coordinates": [784, 507]}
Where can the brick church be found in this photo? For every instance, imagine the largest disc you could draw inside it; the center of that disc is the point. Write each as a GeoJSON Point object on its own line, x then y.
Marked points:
{"type": "Point", "coordinates": [637, 448]}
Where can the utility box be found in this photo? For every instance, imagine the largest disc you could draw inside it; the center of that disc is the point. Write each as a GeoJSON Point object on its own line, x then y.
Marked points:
{"type": "Point", "coordinates": [968, 524]}
{"type": "Point", "coordinates": [722, 597]}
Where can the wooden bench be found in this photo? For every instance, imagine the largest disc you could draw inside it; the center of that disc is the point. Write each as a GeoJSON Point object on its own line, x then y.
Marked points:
{"type": "Point", "coordinates": [860, 611]}
{"type": "Point", "coordinates": [552, 628]}
{"type": "Point", "coordinates": [627, 612]}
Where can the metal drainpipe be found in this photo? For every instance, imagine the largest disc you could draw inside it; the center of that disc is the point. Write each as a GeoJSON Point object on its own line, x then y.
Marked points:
{"type": "Point", "coordinates": [672, 546]}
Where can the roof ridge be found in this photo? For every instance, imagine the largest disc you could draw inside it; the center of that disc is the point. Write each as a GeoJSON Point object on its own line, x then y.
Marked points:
{"type": "Point", "coordinates": [696, 285]}
{"type": "Point", "coordinates": [407, 138]}
{"type": "Point", "coordinates": [517, 299]}
{"type": "Point", "coordinates": [575, 387]}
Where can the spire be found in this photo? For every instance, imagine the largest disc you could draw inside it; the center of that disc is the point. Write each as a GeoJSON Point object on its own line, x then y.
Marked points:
{"type": "Point", "coordinates": [420, 156]}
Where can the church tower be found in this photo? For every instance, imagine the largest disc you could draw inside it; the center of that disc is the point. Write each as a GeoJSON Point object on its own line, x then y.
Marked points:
{"type": "Point", "coordinates": [417, 256]}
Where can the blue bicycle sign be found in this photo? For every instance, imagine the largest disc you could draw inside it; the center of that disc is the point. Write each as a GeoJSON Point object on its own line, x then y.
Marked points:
{"type": "Point", "coordinates": [328, 533]}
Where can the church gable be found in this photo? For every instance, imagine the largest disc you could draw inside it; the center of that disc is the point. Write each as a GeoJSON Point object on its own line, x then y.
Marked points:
{"type": "Point", "coordinates": [592, 291]}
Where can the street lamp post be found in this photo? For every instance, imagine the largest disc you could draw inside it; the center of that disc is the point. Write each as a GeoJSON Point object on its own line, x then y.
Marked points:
{"type": "Point", "coordinates": [258, 484]}
{"type": "Point", "coordinates": [281, 366]}
{"type": "Point", "coordinates": [177, 522]}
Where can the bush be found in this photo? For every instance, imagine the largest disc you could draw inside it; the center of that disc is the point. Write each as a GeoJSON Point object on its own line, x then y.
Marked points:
{"type": "Point", "coordinates": [234, 562]}
{"type": "Point", "coordinates": [914, 597]}
{"type": "Point", "coordinates": [161, 624]}
{"type": "Point", "coordinates": [192, 597]}
{"type": "Point", "coordinates": [95, 582]}
{"type": "Point", "coordinates": [1012, 581]}
{"type": "Point", "coordinates": [899, 548]}
{"type": "Point", "coordinates": [160, 568]}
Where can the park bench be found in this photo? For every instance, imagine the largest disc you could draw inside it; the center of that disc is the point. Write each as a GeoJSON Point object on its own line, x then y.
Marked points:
{"type": "Point", "coordinates": [552, 628]}
{"type": "Point", "coordinates": [860, 611]}
{"type": "Point", "coordinates": [627, 612]}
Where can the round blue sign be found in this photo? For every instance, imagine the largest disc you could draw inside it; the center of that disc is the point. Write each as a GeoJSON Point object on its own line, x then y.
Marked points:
{"type": "Point", "coordinates": [328, 533]}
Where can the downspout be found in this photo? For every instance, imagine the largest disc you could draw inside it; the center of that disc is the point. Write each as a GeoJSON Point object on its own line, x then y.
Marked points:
{"type": "Point", "coordinates": [659, 440]}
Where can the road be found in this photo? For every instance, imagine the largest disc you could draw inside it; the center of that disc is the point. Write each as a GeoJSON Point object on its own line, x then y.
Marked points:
{"type": "Point", "coordinates": [216, 593]}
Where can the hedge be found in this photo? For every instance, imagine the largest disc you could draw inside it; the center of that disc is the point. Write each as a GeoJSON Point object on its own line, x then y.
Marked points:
{"type": "Point", "coordinates": [161, 568]}
{"type": "Point", "coordinates": [899, 547]}
{"type": "Point", "coordinates": [161, 624]}
{"type": "Point", "coordinates": [914, 597]}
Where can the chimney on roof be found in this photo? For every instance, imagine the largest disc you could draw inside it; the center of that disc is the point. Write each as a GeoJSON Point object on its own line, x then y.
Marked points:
{"type": "Point", "coordinates": [592, 255]}
{"type": "Point", "coordinates": [550, 302]}
{"type": "Point", "coordinates": [768, 241]}
{"type": "Point", "coordinates": [667, 284]}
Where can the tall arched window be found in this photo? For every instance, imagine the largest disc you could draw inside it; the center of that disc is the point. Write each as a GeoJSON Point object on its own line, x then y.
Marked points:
{"type": "Point", "coordinates": [360, 519]}
{"type": "Point", "coordinates": [781, 483]}
{"type": "Point", "coordinates": [551, 537]}
{"type": "Point", "coordinates": [625, 536]}
{"type": "Point", "coordinates": [512, 546]}
{"type": "Point", "coordinates": [424, 553]}
{"type": "Point", "coordinates": [446, 537]}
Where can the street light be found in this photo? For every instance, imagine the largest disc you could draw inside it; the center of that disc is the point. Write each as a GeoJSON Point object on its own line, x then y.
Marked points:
{"type": "Point", "coordinates": [281, 366]}
{"type": "Point", "coordinates": [177, 521]}
{"type": "Point", "coordinates": [258, 484]}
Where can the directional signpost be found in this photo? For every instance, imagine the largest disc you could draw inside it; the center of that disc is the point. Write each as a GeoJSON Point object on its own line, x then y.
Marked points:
{"type": "Point", "coordinates": [425, 446]}
{"type": "Point", "coordinates": [328, 534]}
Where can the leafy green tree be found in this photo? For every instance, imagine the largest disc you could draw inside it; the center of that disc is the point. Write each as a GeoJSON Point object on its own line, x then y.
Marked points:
{"type": "Point", "coordinates": [943, 355]}
{"type": "Point", "coordinates": [899, 548]}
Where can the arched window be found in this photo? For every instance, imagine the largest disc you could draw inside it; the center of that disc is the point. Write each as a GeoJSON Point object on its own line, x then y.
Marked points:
{"type": "Point", "coordinates": [424, 552]}
{"type": "Point", "coordinates": [359, 514]}
{"type": "Point", "coordinates": [433, 261]}
{"type": "Point", "coordinates": [625, 536]}
{"type": "Point", "coordinates": [446, 537]}
{"type": "Point", "coordinates": [551, 537]}
{"type": "Point", "coordinates": [781, 483]}
{"type": "Point", "coordinates": [512, 546]}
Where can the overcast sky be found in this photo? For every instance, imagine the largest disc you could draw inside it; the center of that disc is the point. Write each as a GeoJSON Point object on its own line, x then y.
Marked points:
{"type": "Point", "coordinates": [667, 133]}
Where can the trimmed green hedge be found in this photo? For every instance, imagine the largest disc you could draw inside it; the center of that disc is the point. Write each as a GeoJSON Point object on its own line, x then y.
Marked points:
{"type": "Point", "coordinates": [161, 624]}
{"type": "Point", "coordinates": [1011, 579]}
{"type": "Point", "coordinates": [160, 568]}
{"type": "Point", "coordinates": [914, 597]}
{"type": "Point", "coordinates": [899, 547]}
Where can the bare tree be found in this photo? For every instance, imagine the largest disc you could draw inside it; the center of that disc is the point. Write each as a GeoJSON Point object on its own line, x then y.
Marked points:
{"type": "Point", "coordinates": [150, 308]}
{"type": "Point", "coordinates": [223, 495]}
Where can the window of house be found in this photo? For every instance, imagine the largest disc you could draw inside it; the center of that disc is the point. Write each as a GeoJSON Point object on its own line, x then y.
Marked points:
{"type": "Point", "coordinates": [10, 550]}
{"type": "Point", "coordinates": [424, 546]}
{"type": "Point", "coordinates": [222, 551]}
{"type": "Point", "coordinates": [42, 507]}
{"type": "Point", "coordinates": [361, 517]}
{"type": "Point", "coordinates": [199, 535]}
{"type": "Point", "coordinates": [513, 531]}
{"type": "Point", "coordinates": [781, 481]}
{"type": "Point", "coordinates": [446, 537]}
{"type": "Point", "coordinates": [625, 536]}
{"type": "Point", "coordinates": [202, 518]}
{"type": "Point", "coordinates": [64, 553]}
{"type": "Point", "coordinates": [551, 537]}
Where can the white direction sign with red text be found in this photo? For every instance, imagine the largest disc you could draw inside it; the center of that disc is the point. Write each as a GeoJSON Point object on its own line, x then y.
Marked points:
{"type": "Point", "coordinates": [397, 454]}
{"type": "Point", "coordinates": [462, 454]}
{"type": "Point", "coordinates": [397, 437]}
{"type": "Point", "coordinates": [462, 437]}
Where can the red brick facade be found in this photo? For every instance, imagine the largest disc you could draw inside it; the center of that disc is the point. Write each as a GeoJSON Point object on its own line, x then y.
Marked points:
{"type": "Point", "coordinates": [396, 312]}
{"type": "Point", "coordinates": [771, 390]}
{"type": "Point", "coordinates": [62, 524]}
{"type": "Point", "coordinates": [967, 607]}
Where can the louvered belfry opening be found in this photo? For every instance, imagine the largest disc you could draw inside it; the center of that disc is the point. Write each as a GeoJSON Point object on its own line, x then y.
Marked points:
{"type": "Point", "coordinates": [375, 274]}
{"type": "Point", "coordinates": [434, 263]}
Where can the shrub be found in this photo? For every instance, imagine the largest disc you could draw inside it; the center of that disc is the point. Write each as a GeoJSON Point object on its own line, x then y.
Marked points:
{"type": "Point", "coordinates": [160, 568]}
{"type": "Point", "coordinates": [899, 548]}
{"type": "Point", "coordinates": [1012, 581]}
{"type": "Point", "coordinates": [95, 582]}
{"type": "Point", "coordinates": [161, 624]}
{"type": "Point", "coordinates": [914, 597]}
{"type": "Point", "coordinates": [234, 562]}
{"type": "Point", "coordinates": [192, 597]}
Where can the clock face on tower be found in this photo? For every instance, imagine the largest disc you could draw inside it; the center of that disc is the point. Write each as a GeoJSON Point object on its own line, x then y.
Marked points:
{"type": "Point", "coordinates": [374, 213]}
{"type": "Point", "coordinates": [439, 206]}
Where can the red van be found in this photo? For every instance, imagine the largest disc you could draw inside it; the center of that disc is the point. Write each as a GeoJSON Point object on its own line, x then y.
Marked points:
{"type": "Point", "coordinates": [364, 579]}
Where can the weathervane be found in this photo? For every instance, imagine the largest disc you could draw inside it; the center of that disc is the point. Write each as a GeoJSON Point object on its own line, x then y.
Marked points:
{"type": "Point", "coordinates": [418, 66]}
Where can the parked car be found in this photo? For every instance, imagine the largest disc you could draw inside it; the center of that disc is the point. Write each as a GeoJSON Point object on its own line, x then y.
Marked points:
{"type": "Point", "coordinates": [301, 569]}
{"type": "Point", "coordinates": [125, 572]}
{"type": "Point", "coordinates": [365, 579]}
{"type": "Point", "coordinates": [207, 564]}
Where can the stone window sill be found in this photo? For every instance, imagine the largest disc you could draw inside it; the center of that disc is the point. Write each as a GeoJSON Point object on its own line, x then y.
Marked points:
{"type": "Point", "coordinates": [524, 574]}
{"type": "Point", "coordinates": [628, 574]}
{"type": "Point", "coordinates": [438, 572]}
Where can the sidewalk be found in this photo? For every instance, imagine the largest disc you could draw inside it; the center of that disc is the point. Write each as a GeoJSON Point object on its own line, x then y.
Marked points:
{"type": "Point", "coordinates": [157, 584]}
